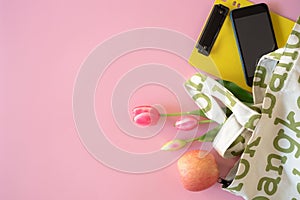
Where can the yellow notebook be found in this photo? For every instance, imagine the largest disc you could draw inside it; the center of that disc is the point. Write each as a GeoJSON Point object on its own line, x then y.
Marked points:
{"type": "Point", "coordinates": [224, 60]}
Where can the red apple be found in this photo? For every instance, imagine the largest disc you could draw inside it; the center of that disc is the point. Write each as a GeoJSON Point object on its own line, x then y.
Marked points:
{"type": "Point", "coordinates": [198, 170]}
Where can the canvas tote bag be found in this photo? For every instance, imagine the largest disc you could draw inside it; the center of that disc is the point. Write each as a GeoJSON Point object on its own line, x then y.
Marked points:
{"type": "Point", "coordinates": [267, 136]}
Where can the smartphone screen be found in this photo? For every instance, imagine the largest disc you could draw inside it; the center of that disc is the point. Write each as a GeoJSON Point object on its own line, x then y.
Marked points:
{"type": "Point", "coordinates": [254, 34]}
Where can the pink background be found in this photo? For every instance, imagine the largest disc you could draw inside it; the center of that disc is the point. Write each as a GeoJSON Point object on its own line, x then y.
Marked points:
{"type": "Point", "coordinates": [43, 44]}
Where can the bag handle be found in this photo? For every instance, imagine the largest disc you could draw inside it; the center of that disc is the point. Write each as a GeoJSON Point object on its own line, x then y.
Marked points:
{"type": "Point", "coordinates": [205, 90]}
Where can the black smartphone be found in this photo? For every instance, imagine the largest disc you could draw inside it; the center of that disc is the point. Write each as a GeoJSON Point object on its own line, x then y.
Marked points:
{"type": "Point", "coordinates": [254, 35]}
{"type": "Point", "coordinates": [212, 28]}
